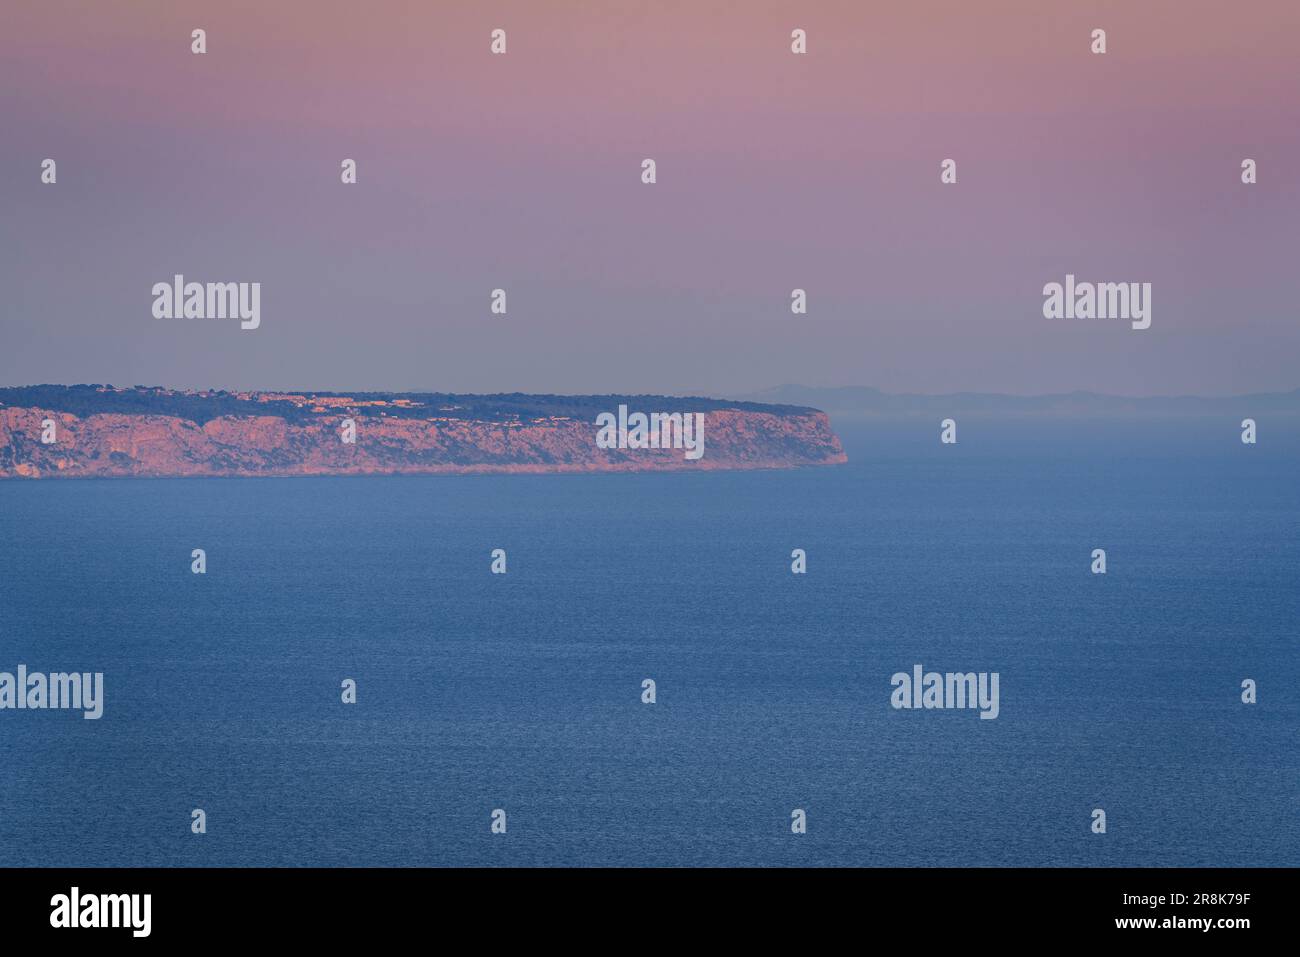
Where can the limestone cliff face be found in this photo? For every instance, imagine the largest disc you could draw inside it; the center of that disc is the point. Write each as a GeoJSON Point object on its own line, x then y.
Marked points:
{"type": "Point", "coordinates": [301, 435]}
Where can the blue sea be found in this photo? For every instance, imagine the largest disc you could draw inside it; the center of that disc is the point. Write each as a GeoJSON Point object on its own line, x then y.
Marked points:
{"type": "Point", "coordinates": [523, 691]}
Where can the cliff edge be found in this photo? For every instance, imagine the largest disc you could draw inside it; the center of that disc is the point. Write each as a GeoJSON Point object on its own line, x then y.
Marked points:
{"type": "Point", "coordinates": [98, 430]}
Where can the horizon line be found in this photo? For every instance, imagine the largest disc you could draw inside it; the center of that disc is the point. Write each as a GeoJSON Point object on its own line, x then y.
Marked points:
{"type": "Point", "coordinates": [730, 395]}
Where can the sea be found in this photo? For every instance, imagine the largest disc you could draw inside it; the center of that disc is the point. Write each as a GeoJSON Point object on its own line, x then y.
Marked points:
{"type": "Point", "coordinates": [524, 692]}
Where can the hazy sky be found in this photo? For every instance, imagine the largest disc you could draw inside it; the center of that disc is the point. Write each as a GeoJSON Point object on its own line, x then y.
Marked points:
{"type": "Point", "coordinates": [775, 171]}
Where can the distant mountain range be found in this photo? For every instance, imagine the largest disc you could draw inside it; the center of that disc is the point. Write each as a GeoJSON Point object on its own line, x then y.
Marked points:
{"type": "Point", "coordinates": [855, 401]}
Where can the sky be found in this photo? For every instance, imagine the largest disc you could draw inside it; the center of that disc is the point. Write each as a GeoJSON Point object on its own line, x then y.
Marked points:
{"type": "Point", "coordinates": [775, 171]}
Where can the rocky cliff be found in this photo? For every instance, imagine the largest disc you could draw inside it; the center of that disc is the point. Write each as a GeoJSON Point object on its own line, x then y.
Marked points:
{"type": "Point", "coordinates": [104, 431]}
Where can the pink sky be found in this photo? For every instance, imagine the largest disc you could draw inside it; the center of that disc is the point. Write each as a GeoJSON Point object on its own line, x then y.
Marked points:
{"type": "Point", "coordinates": [775, 171]}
